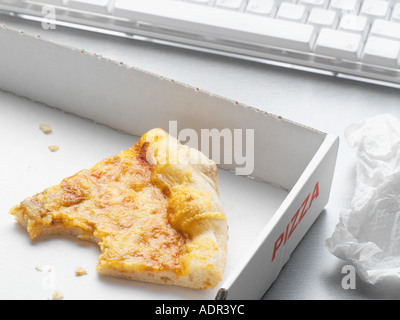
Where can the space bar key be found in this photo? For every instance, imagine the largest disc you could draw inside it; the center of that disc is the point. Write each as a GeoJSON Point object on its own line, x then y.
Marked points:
{"type": "Point", "coordinates": [219, 23]}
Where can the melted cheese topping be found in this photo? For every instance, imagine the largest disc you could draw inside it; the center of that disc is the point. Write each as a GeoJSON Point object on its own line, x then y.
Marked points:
{"type": "Point", "coordinates": [116, 204]}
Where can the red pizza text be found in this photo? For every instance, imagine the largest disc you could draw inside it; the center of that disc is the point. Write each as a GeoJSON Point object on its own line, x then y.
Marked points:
{"type": "Point", "coordinates": [296, 219]}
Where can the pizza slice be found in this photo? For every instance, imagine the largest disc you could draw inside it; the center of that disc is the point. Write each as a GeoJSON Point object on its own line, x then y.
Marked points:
{"type": "Point", "coordinates": [153, 209]}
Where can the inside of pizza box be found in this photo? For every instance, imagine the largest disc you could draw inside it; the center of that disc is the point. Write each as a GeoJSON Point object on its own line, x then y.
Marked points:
{"type": "Point", "coordinates": [97, 108]}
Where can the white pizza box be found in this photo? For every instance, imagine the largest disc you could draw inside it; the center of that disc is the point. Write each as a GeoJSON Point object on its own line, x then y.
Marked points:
{"type": "Point", "coordinates": [98, 107]}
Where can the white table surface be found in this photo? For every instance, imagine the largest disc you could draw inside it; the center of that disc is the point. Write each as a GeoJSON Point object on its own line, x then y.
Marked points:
{"type": "Point", "coordinates": [324, 103]}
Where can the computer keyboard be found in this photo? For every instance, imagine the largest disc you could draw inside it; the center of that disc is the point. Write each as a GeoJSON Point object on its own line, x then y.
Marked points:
{"type": "Point", "coordinates": [358, 39]}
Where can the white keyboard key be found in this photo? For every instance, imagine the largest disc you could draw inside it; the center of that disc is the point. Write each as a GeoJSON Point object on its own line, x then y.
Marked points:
{"type": "Point", "coordinates": [199, 1]}
{"type": "Point", "coordinates": [53, 2]}
{"type": "Point", "coordinates": [385, 28]}
{"type": "Point", "coordinates": [314, 3]}
{"type": "Point", "coordinates": [373, 9]}
{"type": "Point", "coordinates": [215, 22]}
{"type": "Point", "coordinates": [353, 23]}
{"type": "Point", "coordinates": [229, 4]}
{"type": "Point", "coordinates": [293, 12]}
{"type": "Point", "coordinates": [16, 2]}
{"type": "Point", "coordinates": [322, 18]}
{"type": "Point", "coordinates": [380, 51]}
{"type": "Point", "coordinates": [99, 6]}
{"type": "Point", "coordinates": [395, 13]}
{"type": "Point", "coordinates": [338, 44]}
{"type": "Point", "coordinates": [263, 7]}
{"type": "Point", "coordinates": [345, 6]}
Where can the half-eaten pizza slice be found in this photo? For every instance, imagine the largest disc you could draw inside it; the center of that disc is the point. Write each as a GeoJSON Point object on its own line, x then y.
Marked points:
{"type": "Point", "coordinates": [153, 209]}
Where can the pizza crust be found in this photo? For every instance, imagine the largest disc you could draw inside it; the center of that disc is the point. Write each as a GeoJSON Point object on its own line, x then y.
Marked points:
{"type": "Point", "coordinates": [154, 210]}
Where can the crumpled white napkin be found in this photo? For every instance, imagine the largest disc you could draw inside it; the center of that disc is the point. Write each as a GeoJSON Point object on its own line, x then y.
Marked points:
{"type": "Point", "coordinates": [368, 234]}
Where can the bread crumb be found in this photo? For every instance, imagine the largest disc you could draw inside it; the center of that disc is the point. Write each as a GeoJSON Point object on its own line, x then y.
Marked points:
{"type": "Point", "coordinates": [38, 268]}
{"type": "Point", "coordinates": [57, 295]}
{"type": "Point", "coordinates": [53, 148]}
{"type": "Point", "coordinates": [79, 271]}
{"type": "Point", "coordinates": [46, 128]}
